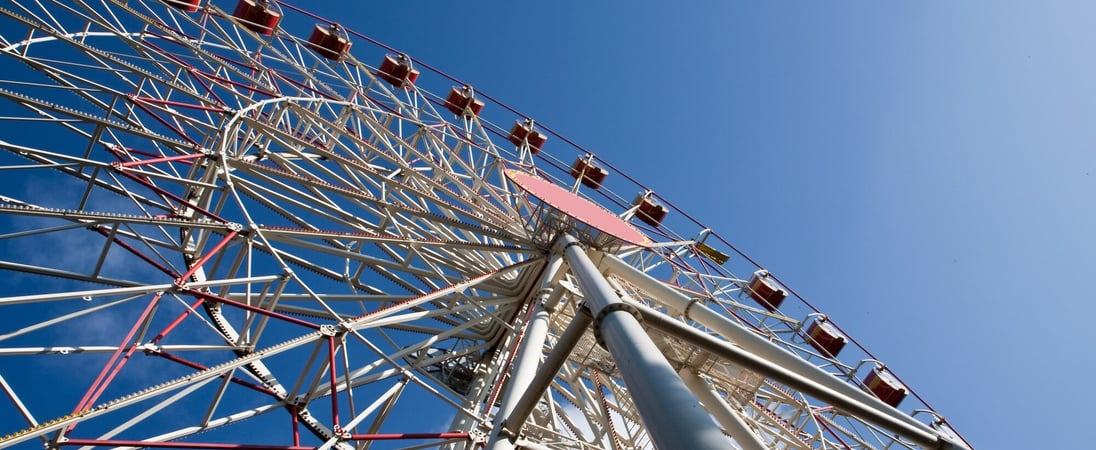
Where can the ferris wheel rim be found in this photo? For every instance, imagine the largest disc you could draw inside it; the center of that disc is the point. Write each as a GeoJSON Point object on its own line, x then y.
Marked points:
{"type": "Point", "coordinates": [251, 228]}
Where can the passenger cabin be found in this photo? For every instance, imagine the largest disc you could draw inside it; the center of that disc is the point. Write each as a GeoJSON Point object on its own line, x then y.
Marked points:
{"type": "Point", "coordinates": [260, 16]}
{"type": "Point", "coordinates": [329, 41]}
{"type": "Point", "coordinates": [461, 101]}
{"type": "Point", "coordinates": [824, 337]}
{"type": "Point", "coordinates": [764, 290]}
{"type": "Point", "coordinates": [885, 386]}
{"type": "Point", "coordinates": [588, 173]}
{"type": "Point", "coordinates": [185, 5]}
{"type": "Point", "coordinates": [397, 71]}
{"type": "Point", "coordinates": [523, 132]}
{"type": "Point", "coordinates": [649, 211]}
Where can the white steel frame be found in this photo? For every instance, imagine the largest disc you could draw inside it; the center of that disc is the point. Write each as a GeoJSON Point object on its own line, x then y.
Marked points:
{"type": "Point", "coordinates": [248, 244]}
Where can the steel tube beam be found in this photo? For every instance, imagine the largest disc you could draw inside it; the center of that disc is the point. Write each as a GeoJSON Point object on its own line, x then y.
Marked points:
{"type": "Point", "coordinates": [760, 346]}
{"type": "Point", "coordinates": [673, 416]}
{"type": "Point", "coordinates": [146, 444]}
{"type": "Point", "coordinates": [528, 355]}
{"type": "Point", "coordinates": [737, 355]}
{"type": "Point", "coordinates": [131, 290]}
{"type": "Point", "coordinates": [391, 436]}
{"type": "Point", "coordinates": [511, 427]}
{"type": "Point", "coordinates": [18, 403]}
{"type": "Point", "coordinates": [726, 415]}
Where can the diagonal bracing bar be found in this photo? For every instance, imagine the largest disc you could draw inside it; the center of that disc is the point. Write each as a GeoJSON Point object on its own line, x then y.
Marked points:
{"type": "Point", "coordinates": [511, 426]}
{"type": "Point", "coordinates": [756, 353]}
{"type": "Point", "coordinates": [724, 413]}
{"type": "Point", "coordinates": [673, 416]}
{"type": "Point", "coordinates": [528, 355]}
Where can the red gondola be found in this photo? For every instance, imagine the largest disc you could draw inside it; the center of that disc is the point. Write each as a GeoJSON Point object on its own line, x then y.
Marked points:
{"type": "Point", "coordinates": [885, 386]}
{"type": "Point", "coordinates": [649, 211]}
{"type": "Point", "coordinates": [524, 132]}
{"type": "Point", "coordinates": [330, 41]}
{"type": "Point", "coordinates": [397, 71]}
{"type": "Point", "coordinates": [825, 338]}
{"type": "Point", "coordinates": [185, 5]}
{"type": "Point", "coordinates": [260, 16]}
{"type": "Point", "coordinates": [765, 291]}
{"type": "Point", "coordinates": [461, 101]}
{"type": "Point", "coordinates": [591, 175]}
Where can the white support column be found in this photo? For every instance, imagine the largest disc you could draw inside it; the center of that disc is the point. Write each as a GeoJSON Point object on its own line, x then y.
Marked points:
{"type": "Point", "coordinates": [528, 355]}
{"type": "Point", "coordinates": [723, 412]}
{"type": "Point", "coordinates": [777, 361]}
{"type": "Point", "coordinates": [547, 372]}
{"type": "Point", "coordinates": [673, 416]}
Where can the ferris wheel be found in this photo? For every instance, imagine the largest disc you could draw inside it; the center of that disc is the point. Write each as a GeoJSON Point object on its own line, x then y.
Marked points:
{"type": "Point", "coordinates": [238, 224]}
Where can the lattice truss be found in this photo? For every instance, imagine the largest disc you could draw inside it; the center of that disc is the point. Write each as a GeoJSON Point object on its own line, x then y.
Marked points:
{"type": "Point", "coordinates": [209, 234]}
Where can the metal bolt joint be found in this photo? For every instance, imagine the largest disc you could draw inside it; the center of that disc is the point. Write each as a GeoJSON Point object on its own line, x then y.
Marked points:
{"type": "Point", "coordinates": [609, 309]}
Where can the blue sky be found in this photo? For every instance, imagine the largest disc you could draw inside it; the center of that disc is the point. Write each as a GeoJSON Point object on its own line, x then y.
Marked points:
{"type": "Point", "coordinates": [921, 171]}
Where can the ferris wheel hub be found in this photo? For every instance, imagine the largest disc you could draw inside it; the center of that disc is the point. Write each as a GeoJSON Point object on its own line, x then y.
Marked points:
{"type": "Point", "coordinates": [563, 211]}
{"type": "Point", "coordinates": [286, 229]}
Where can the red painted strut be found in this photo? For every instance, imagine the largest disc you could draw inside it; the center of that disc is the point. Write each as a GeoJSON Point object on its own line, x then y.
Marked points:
{"type": "Point", "coordinates": [209, 445]}
{"type": "Point", "coordinates": [186, 157]}
{"type": "Point", "coordinates": [393, 436]}
{"type": "Point", "coordinates": [114, 443]}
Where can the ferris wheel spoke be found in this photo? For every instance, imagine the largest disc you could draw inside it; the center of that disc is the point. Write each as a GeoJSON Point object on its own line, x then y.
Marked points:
{"type": "Point", "coordinates": [265, 188]}
{"type": "Point", "coordinates": [471, 187]}
{"type": "Point", "coordinates": [360, 258]}
{"type": "Point", "coordinates": [102, 60]}
{"type": "Point", "coordinates": [80, 86]}
{"type": "Point", "coordinates": [237, 417]}
{"type": "Point", "coordinates": [184, 385]}
{"type": "Point", "coordinates": [35, 15]}
{"type": "Point", "coordinates": [427, 189]}
{"type": "Point", "coordinates": [359, 199]}
{"type": "Point", "coordinates": [153, 409]}
{"type": "Point", "coordinates": [47, 110]}
{"type": "Point", "coordinates": [376, 238]}
{"type": "Point", "coordinates": [575, 392]}
{"type": "Point", "coordinates": [389, 144]}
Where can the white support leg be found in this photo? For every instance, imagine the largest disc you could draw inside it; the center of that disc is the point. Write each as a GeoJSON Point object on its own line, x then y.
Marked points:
{"type": "Point", "coordinates": [757, 353]}
{"type": "Point", "coordinates": [671, 413]}
{"type": "Point", "coordinates": [528, 356]}
{"type": "Point", "coordinates": [724, 413]}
